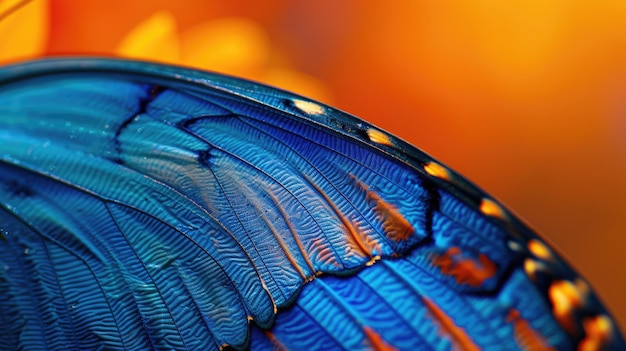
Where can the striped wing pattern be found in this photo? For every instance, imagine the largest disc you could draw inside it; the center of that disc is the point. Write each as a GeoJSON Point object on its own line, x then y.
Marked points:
{"type": "Point", "coordinates": [153, 207]}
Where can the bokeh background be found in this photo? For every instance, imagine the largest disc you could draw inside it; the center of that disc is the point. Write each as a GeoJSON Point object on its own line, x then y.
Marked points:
{"type": "Point", "coordinates": [525, 98]}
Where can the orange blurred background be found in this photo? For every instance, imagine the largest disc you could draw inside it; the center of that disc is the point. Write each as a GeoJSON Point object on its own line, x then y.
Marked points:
{"type": "Point", "coordinates": [525, 98]}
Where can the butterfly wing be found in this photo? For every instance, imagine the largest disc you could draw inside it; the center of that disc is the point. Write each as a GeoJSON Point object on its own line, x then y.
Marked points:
{"type": "Point", "coordinates": [152, 207]}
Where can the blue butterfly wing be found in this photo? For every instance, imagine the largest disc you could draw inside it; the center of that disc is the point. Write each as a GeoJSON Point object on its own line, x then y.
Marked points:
{"type": "Point", "coordinates": [153, 207]}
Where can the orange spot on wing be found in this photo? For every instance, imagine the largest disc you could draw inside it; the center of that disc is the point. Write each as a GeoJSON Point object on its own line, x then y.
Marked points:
{"type": "Point", "coordinates": [490, 208]}
{"type": "Point", "coordinates": [565, 298]}
{"type": "Point", "coordinates": [437, 170]}
{"type": "Point", "coordinates": [598, 332]}
{"type": "Point", "coordinates": [395, 226]}
{"type": "Point", "coordinates": [457, 336]}
{"type": "Point", "coordinates": [531, 267]}
{"type": "Point", "coordinates": [525, 336]}
{"type": "Point", "coordinates": [377, 342]}
{"type": "Point", "coordinates": [465, 270]}
{"type": "Point", "coordinates": [539, 249]}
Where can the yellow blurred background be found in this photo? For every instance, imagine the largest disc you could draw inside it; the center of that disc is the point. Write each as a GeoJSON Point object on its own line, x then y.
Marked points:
{"type": "Point", "coordinates": [525, 98]}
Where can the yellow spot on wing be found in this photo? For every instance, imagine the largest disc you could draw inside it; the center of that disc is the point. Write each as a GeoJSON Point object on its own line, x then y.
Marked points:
{"type": "Point", "coordinates": [539, 249]}
{"type": "Point", "coordinates": [490, 208]}
{"type": "Point", "coordinates": [379, 137]}
{"type": "Point", "coordinates": [531, 267]}
{"type": "Point", "coordinates": [437, 170]}
{"type": "Point", "coordinates": [309, 107]}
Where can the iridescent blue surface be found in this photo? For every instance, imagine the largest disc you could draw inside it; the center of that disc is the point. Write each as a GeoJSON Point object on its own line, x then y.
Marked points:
{"type": "Point", "coordinates": [153, 207]}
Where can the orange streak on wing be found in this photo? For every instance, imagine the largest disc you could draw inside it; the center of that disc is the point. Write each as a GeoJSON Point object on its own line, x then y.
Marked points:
{"type": "Point", "coordinates": [296, 238]}
{"type": "Point", "coordinates": [598, 332]}
{"type": "Point", "coordinates": [396, 227]}
{"type": "Point", "coordinates": [355, 236]}
{"type": "Point", "coordinates": [283, 247]}
{"type": "Point", "coordinates": [525, 336]}
{"type": "Point", "coordinates": [378, 344]}
{"type": "Point", "coordinates": [458, 336]}
{"type": "Point", "coordinates": [324, 249]}
{"type": "Point", "coordinates": [465, 270]}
